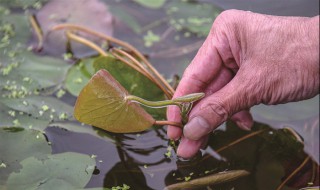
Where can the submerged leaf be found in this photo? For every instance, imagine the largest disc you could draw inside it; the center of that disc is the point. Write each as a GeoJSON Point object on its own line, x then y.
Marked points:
{"type": "Point", "coordinates": [209, 180]}
{"type": "Point", "coordinates": [62, 171]}
{"type": "Point", "coordinates": [81, 12]}
{"type": "Point", "coordinates": [16, 144]}
{"type": "Point", "coordinates": [102, 103]}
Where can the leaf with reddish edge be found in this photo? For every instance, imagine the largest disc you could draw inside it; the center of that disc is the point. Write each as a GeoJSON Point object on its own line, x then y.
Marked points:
{"type": "Point", "coordinates": [102, 103]}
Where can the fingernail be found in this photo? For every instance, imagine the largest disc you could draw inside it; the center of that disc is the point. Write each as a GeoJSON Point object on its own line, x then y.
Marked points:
{"type": "Point", "coordinates": [244, 126]}
{"type": "Point", "coordinates": [196, 128]}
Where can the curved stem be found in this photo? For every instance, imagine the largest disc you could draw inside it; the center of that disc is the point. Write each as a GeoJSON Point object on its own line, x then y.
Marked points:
{"type": "Point", "coordinates": [86, 42]}
{"type": "Point", "coordinates": [153, 104]}
{"type": "Point", "coordinates": [37, 30]}
{"type": "Point", "coordinates": [168, 123]}
{"type": "Point", "coordinates": [241, 139]}
{"type": "Point", "coordinates": [139, 67]}
{"type": "Point", "coordinates": [294, 172]}
{"type": "Point", "coordinates": [123, 44]}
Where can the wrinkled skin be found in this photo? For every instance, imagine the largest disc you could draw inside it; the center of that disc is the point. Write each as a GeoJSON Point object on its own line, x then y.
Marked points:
{"type": "Point", "coordinates": [247, 59]}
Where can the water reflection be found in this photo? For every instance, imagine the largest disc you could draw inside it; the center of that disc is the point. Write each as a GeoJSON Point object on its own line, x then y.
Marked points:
{"type": "Point", "coordinates": [139, 160]}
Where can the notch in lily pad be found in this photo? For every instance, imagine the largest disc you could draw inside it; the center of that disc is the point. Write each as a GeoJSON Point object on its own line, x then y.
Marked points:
{"type": "Point", "coordinates": [105, 104]}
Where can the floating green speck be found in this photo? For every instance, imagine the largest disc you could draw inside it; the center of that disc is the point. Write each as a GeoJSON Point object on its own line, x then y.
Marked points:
{"type": "Point", "coordinates": [45, 107]}
{"type": "Point", "coordinates": [63, 116]}
{"type": "Point", "coordinates": [3, 165]}
{"type": "Point", "coordinates": [60, 93]}
{"type": "Point", "coordinates": [187, 178]}
{"type": "Point", "coordinates": [12, 113]}
{"type": "Point", "coordinates": [16, 123]}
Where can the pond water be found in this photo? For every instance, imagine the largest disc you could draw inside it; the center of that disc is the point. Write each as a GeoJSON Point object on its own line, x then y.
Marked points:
{"type": "Point", "coordinates": [39, 92]}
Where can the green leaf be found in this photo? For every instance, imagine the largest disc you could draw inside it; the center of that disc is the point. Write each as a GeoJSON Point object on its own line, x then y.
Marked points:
{"type": "Point", "coordinates": [102, 103]}
{"type": "Point", "coordinates": [153, 4]}
{"type": "Point", "coordinates": [192, 16]}
{"type": "Point", "coordinates": [59, 171]}
{"type": "Point", "coordinates": [23, 3]}
{"type": "Point", "coordinates": [44, 107]}
{"type": "Point", "coordinates": [134, 82]}
{"type": "Point", "coordinates": [78, 76]}
{"type": "Point", "coordinates": [10, 26]}
{"type": "Point", "coordinates": [10, 117]}
{"type": "Point", "coordinates": [16, 144]}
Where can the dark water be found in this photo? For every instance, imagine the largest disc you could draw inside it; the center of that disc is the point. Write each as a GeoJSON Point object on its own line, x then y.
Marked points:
{"type": "Point", "coordinates": [141, 160]}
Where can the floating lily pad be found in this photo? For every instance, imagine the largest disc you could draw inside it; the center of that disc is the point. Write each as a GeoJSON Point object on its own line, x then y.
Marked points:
{"type": "Point", "coordinates": [102, 103]}
{"type": "Point", "coordinates": [44, 107]}
{"type": "Point", "coordinates": [10, 117]}
{"type": "Point", "coordinates": [23, 3]}
{"type": "Point", "coordinates": [62, 171]}
{"type": "Point", "coordinates": [192, 16]}
{"type": "Point", "coordinates": [20, 69]}
{"type": "Point", "coordinates": [79, 75]}
{"type": "Point", "coordinates": [16, 144]}
{"type": "Point", "coordinates": [134, 82]}
{"type": "Point", "coordinates": [154, 4]}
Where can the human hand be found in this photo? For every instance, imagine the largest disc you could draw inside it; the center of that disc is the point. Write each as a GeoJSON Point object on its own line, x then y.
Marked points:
{"type": "Point", "coordinates": [247, 59]}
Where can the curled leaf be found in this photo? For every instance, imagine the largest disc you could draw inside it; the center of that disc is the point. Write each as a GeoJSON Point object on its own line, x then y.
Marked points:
{"type": "Point", "coordinates": [209, 180]}
{"type": "Point", "coordinates": [102, 103]}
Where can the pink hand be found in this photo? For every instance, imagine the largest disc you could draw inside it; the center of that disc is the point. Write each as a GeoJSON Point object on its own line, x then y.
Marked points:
{"type": "Point", "coordinates": [247, 59]}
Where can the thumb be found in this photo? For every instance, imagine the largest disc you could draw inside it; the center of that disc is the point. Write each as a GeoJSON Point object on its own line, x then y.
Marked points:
{"type": "Point", "coordinates": [210, 112]}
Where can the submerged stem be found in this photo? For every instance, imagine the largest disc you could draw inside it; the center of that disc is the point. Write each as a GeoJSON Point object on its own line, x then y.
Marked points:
{"type": "Point", "coordinates": [305, 161]}
{"type": "Point", "coordinates": [241, 139]}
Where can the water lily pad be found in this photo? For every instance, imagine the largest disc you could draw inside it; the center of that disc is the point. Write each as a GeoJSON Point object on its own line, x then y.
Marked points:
{"type": "Point", "coordinates": [20, 69]}
{"type": "Point", "coordinates": [10, 117]}
{"type": "Point", "coordinates": [193, 16]}
{"type": "Point", "coordinates": [10, 26]}
{"type": "Point", "coordinates": [102, 103]}
{"type": "Point", "coordinates": [44, 107]}
{"type": "Point", "coordinates": [16, 144]}
{"type": "Point", "coordinates": [154, 4]}
{"type": "Point", "coordinates": [23, 3]}
{"type": "Point", "coordinates": [134, 82]}
{"type": "Point", "coordinates": [62, 171]}
{"type": "Point", "coordinates": [79, 75]}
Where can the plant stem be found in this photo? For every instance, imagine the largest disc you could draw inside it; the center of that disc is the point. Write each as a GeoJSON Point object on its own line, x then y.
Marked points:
{"type": "Point", "coordinates": [305, 161]}
{"type": "Point", "coordinates": [37, 30]}
{"type": "Point", "coordinates": [241, 139]}
{"type": "Point", "coordinates": [123, 44]}
{"type": "Point", "coordinates": [153, 104]}
{"type": "Point", "coordinates": [86, 42]}
{"type": "Point", "coordinates": [139, 67]}
{"type": "Point", "coordinates": [168, 123]}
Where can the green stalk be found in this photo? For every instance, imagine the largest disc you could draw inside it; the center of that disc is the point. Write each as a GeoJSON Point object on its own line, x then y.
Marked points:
{"type": "Point", "coordinates": [179, 101]}
{"type": "Point", "coordinates": [153, 104]}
